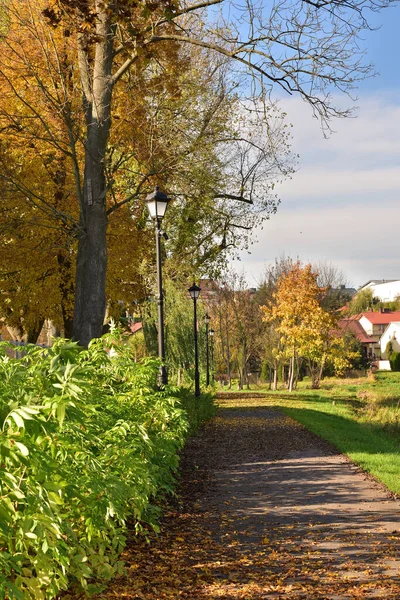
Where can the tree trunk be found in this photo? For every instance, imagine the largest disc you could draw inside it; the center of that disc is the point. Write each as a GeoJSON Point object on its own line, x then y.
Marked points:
{"type": "Point", "coordinates": [291, 376]}
{"type": "Point", "coordinates": [275, 381]}
{"type": "Point", "coordinates": [67, 290]}
{"type": "Point", "coordinates": [316, 372]}
{"type": "Point", "coordinates": [91, 269]}
{"type": "Point", "coordinates": [228, 353]}
{"type": "Point", "coordinates": [34, 332]}
{"type": "Point", "coordinates": [91, 266]}
{"type": "Point", "coordinates": [296, 378]}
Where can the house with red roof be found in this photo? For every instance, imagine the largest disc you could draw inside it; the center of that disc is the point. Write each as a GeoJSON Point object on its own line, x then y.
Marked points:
{"type": "Point", "coordinates": [375, 323]}
{"type": "Point", "coordinates": [352, 325]}
{"type": "Point", "coordinates": [373, 330]}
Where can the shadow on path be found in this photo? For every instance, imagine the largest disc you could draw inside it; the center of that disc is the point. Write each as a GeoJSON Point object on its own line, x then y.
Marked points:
{"type": "Point", "coordinates": [267, 510]}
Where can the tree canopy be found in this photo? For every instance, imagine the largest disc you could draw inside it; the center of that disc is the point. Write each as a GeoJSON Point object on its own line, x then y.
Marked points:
{"type": "Point", "coordinates": [307, 330]}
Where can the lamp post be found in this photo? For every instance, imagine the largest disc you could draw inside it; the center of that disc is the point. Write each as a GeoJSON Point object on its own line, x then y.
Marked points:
{"type": "Point", "coordinates": [212, 353]}
{"type": "Point", "coordinates": [157, 203]}
{"type": "Point", "coordinates": [207, 322]}
{"type": "Point", "coordinates": [194, 291]}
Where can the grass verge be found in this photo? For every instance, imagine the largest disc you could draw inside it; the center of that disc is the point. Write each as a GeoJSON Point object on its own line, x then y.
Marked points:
{"type": "Point", "coordinates": [361, 418]}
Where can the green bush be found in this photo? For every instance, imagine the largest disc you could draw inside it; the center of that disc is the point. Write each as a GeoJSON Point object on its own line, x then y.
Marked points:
{"type": "Point", "coordinates": [395, 361]}
{"type": "Point", "coordinates": [389, 349]}
{"type": "Point", "coordinates": [87, 442]}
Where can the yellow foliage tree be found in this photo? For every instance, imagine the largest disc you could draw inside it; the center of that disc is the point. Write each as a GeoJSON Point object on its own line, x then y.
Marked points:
{"type": "Point", "coordinates": [307, 330]}
{"type": "Point", "coordinates": [171, 124]}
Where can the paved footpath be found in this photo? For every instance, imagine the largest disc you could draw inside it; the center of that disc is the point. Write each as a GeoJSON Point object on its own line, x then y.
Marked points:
{"type": "Point", "coordinates": [268, 510]}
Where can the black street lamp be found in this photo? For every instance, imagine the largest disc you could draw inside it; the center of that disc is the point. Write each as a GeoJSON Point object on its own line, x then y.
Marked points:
{"type": "Point", "coordinates": [212, 353]}
{"type": "Point", "coordinates": [194, 291]}
{"type": "Point", "coordinates": [157, 203]}
{"type": "Point", "coordinates": [207, 322]}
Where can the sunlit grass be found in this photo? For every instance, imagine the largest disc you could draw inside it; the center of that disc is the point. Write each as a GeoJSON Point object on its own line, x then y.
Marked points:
{"type": "Point", "coordinates": [360, 417]}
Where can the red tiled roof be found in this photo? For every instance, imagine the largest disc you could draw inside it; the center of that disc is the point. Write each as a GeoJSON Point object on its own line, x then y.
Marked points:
{"type": "Point", "coordinates": [355, 328]}
{"type": "Point", "coordinates": [136, 327]}
{"type": "Point", "coordinates": [378, 318]}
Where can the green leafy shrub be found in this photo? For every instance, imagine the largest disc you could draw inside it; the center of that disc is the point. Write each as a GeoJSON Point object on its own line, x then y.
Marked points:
{"type": "Point", "coordinates": [87, 442]}
{"type": "Point", "coordinates": [389, 349]}
{"type": "Point", "coordinates": [395, 361]}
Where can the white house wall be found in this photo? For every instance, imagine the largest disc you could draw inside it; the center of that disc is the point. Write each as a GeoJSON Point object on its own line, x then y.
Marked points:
{"type": "Point", "coordinates": [366, 325]}
{"type": "Point", "coordinates": [386, 292]}
{"type": "Point", "coordinates": [391, 333]}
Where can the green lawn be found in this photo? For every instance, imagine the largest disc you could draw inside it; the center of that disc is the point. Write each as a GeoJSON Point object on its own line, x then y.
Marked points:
{"type": "Point", "coordinates": [360, 417]}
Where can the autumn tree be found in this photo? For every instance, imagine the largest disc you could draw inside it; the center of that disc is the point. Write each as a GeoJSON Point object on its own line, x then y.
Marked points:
{"type": "Point", "coordinates": [305, 327]}
{"type": "Point", "coordinates": [248, 334]}
{"type": "Point", "coordinates": [94, 50]}
{"type": "Point", "coordinates": [246, 326]}
{"type": "Point", "coordinates": [274, 355]}
{"type": "Point", "coordinates": [185, 128]}
{"type": "Point", "coordinates": [221, 312]}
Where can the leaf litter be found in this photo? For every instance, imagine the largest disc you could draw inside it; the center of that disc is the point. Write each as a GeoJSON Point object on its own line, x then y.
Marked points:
{"type": "Point", "coordinates": [265, 509]}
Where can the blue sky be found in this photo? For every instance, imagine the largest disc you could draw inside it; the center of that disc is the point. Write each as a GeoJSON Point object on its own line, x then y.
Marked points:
{"type": "Point", "coordinates": [342, 206]}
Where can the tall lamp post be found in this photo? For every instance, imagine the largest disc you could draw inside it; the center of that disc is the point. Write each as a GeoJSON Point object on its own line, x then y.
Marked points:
{"type": "Point", "coordinates": [212, 353]}
{"type": "Point", "coordinates": [157, 203]}
{"type": "Point", "coordinates": [207, 322]}
{"type": "Point", "coordinates": [194, 291]}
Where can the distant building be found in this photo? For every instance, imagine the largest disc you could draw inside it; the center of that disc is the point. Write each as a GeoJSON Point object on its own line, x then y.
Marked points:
{"type": "Point", "coordinates": [209, 290]}
{"type": "Point", "coordinates": [391, 334]}
{"type": "Point", "coordinates": [352, 326]}
{"type": "Point", "coordinates": [374, 330]}
{"type": "Point", "coordinates": [136, 327]}
{"type": "Point", "coordinates": [387, 290]}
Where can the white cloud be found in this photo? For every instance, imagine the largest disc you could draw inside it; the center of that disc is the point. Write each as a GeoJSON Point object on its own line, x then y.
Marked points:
{"type": "Point", "coordinates": [343, 204]}
{"type": "Point", "coordinates": [374, 131]}
{"type": "Point", "coordinates": [326, 181]}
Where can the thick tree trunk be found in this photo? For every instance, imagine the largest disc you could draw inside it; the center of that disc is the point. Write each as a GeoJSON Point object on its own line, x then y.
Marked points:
{"type": "Point", "coordinates": [34, 332]}
{"type": "Point", "coordinates": [91, 270]}
{"type": "Point", "coordinates": [91, 267]}
{"type": "Point", "coordinates": [67, 289]}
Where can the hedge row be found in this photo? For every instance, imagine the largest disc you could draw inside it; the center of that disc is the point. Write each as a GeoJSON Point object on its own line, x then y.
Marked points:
{"type": "Point", "coordinates": [87, 442]}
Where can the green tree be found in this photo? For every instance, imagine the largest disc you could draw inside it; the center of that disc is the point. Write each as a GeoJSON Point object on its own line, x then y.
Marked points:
{"type": "Point", "coordinates": [179, 334]}
{"type": "Point", "coordinates": [362, 301]}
